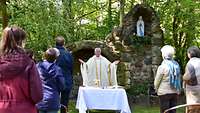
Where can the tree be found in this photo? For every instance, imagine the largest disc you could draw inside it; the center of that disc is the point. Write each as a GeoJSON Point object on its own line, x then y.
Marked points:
{"type": "Point", "coordinates": [68, 13]}
{"type": "Point", "coordinates": [109, 15]}
{"type": "Point", "coordinates": [94, 19]}
{"type": "Point", "coordinates": [4, 13]}
{"type": "Point", "coordinates": [180, 25]}
{"type": "Point", "coordinates": [122, 3]}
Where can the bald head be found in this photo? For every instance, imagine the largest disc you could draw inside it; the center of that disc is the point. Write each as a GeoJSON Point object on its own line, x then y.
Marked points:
{"type": "Point", "coordinates": [60, 41]}
{"type": "Point", "coordinates": [97, 52]}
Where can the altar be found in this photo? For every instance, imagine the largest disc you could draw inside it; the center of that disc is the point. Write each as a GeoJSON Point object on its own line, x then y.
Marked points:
{"type": "Point", "coordinates": [102, 99]}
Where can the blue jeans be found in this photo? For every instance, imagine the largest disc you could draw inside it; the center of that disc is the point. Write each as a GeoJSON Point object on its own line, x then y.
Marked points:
{"type": "Point", "coordinates": [48, 111]}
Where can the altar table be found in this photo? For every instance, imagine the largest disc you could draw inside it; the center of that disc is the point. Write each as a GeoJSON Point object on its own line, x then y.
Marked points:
{"type": "Point", "coordinates": [102, 99]}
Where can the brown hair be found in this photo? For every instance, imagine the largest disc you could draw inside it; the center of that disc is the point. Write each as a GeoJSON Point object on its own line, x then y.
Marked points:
{"type": "Point", "coordinates": [12, 38]}
{"type": "Point", "coordinates": [60, 41]}
{"type": "Point", "coordinates": [50, 55]}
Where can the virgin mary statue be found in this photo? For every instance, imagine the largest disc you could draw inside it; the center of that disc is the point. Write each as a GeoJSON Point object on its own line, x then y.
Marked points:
{"type": "Point", "coordinates": [140, 27]}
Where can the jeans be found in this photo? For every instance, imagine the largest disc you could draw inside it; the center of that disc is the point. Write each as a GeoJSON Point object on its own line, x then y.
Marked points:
{"type": "Point", "coordinates": [167, 101]}
{"type": "Point", "coordinates": [47, 111]}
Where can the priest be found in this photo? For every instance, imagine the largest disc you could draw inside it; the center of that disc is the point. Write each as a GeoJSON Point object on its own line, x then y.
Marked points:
{"type": "Point", "coordinates": [99, 71]}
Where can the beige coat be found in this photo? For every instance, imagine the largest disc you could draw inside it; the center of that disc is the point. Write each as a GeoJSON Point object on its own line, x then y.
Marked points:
{"type": "Point", "coordinates": [192, 92]}
{"type": "Point", "coordinates": [162, 81]}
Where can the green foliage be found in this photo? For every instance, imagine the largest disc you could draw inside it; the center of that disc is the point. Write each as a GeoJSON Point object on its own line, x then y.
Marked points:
{"type": "Point", "coordinates": [42, 22]}
{"type": "Point", "coordinates": [45, 19]}
{"type": "Point", "coordinates": [139, 89]}
{"type": "Point", "coordinates": [180, 23]}
{"type": "Point", "coordinates": [93, 19]}
{"type": "Point", "coordinates": [138, 41]}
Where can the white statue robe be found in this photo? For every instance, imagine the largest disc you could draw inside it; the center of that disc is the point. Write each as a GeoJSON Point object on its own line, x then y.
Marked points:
{"type": "Point", "coordinates": [99, 72]}
{"type": "Point", "coordinates": [140, 28]}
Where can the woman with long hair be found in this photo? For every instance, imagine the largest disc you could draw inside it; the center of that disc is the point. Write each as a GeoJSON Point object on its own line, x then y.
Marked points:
{"type": "Point", "coordinates": [21, 86]}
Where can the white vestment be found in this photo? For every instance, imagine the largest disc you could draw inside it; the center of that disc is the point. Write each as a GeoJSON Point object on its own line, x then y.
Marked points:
{"type": "Point", "coordinates": [140, 27]}
{"type": "Point", "coordinates": [99, 72]}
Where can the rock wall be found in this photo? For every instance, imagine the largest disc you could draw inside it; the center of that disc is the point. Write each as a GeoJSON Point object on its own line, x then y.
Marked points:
{"type": "Point", "coordinates": [139, 56]}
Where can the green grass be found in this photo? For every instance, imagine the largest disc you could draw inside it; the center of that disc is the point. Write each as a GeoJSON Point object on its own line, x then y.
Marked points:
{"type": "Point", "coordinates": [150, 109]}
{"type": "Point", "coordinates": [135, 109]}
{"type": "Point", "coordinates": [145, 109]}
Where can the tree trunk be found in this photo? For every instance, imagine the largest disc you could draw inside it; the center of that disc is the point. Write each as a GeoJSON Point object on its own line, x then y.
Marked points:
{"type": "Point", "coordinates": [190, 35]}
{"type": "Point", "coordinates": [97, 16]}
{"type": "Point", "coordinates": [175, 25]}
{"type": "Point", "coordinates": [69, 16]}
{"type": "Point", "coordinates": [109, 15]}
{"type": "Point", "coordinates": [144, 1]}
{"type": "Point", "coordinates": [70, 13]}
{"type": "Point", "coordinates": [122, 4]}
{"type": "Point", "coordinates": [4, 13]}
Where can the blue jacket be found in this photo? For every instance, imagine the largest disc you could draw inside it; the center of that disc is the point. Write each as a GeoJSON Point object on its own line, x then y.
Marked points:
{"type": "Point", "coordinates": [65, 62]}
{"type": "Point", "coordinates": [53, 83]}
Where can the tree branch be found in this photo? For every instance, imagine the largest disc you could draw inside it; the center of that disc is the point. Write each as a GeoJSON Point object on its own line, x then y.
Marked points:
{"type": "Point", "coordinates": [86, 14]}
{"type": "Point", "coordinates": [4, 13]}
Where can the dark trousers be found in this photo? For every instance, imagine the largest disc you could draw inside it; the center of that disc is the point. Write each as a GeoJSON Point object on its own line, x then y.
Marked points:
{"type": "Point", "coordinates": [167, 101]}
{"type": "Point", "coordinates": [65, 100]}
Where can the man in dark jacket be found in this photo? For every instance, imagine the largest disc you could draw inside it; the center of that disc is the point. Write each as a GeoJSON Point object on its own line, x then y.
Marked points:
{"type": "Point", "coordinates": [65, 61]}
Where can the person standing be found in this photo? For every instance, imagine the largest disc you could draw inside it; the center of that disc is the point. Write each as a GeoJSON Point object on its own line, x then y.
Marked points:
{"type": "Point", "coordinates": [65, 62]}
{"type": "Point", "coordinates": [167, 82]}
{"type": "Point", "coordinates": [191, 77]}
{"type": "Point", "coordinates": [100, 71]}
{"type": "Point", "coordinates": [21, 87]}
{"type": "Point", "coordinates": [52, 81]}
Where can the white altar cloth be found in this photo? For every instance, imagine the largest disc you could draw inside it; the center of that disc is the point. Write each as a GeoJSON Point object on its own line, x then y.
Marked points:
{"type": "Point", "coordinates": [102, 99]}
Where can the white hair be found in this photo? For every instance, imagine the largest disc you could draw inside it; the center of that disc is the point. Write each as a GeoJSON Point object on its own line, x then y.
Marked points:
{"type": "Point", "coordinates": [167, 52]}
{"type": "Point", "coordinates": [97, 49]}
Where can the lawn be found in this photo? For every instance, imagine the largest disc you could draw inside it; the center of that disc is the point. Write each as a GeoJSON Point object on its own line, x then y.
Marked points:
{"type": "Point", "coordinates": [150, 109]}
{"type": "Point", "coordinates": [135, 109]}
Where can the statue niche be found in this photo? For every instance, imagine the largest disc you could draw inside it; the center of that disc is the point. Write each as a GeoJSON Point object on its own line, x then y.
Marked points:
{"type": "Point", "coordinates": [137, 64]}
{"type": "Point", "coordinates": [142, 17]}
{"type": "Point", "coordinates": [139, 22]}
{"type": "Point", "coordinates": [139, 15]}
{"type": "Point", "coordinates": [140, 27]}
